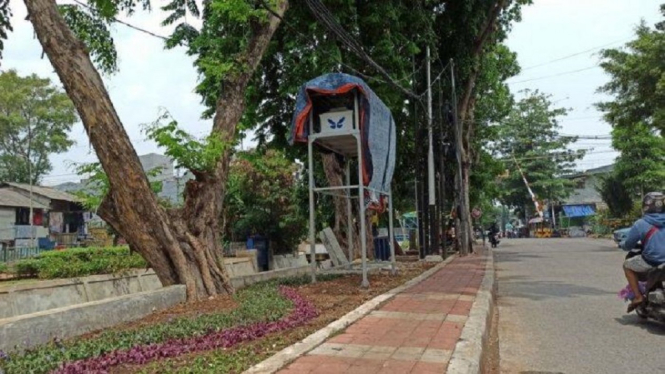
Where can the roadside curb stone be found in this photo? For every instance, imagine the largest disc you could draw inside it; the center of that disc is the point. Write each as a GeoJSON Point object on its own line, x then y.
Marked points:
{"type": "Point", "coordinates": [469, 352]}
{"type": "Point", "coordinates": [292, 352]}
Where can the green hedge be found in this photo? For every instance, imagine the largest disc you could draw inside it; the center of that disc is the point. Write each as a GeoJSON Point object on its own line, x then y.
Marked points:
{"type": "Point", "coordinates": [3, 267]}
{"type": "Point", "coordinates": [79, 262]}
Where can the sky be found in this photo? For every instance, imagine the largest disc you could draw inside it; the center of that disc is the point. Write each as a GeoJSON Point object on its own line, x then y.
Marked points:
{"type": "Point", "coordinates": [151, 78]}
{"type": "Point", "coordinates": [555, 29]}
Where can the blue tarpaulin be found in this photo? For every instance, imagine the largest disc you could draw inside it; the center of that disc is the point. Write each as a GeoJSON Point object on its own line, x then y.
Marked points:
{"type": "Point", "coordinates": [377, 126]}
{"type": "Point", "coordinates": [573, 211]}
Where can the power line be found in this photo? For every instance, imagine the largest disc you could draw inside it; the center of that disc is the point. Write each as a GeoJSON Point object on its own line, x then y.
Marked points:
{"type": "Point", "coordinates": [586, 137]}
{"type": "Point", "coordinates": [123, 22]}
{"type": "Point", "coordinates": [324, 16]}
{"type": "Point", "coordinates": [579, 118]}
{"type": "Point", "coordinates": [555, 75]}
{"type": "Point", "coordinates": [560, 155]}
{"type": "Point", "coordinates": [575, 54]}
{"type": "Point", "coordinates": [334, 57]}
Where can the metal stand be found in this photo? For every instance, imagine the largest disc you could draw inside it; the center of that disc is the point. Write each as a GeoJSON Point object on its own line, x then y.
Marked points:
{"type": "Point", "coordinates": [342, 143]}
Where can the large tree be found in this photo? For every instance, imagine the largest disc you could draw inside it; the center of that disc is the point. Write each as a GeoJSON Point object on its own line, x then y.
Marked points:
{"type": "Point", "coordinates": [466, 32]}
{"type": "Point", "coordinates": [529, 139]}
{"type": "Point", "coordinates": [182, 245]}
{"type": "Point", "coordinates": [637, 109]}
{"type": "Point", "coordinates": [35, 119]}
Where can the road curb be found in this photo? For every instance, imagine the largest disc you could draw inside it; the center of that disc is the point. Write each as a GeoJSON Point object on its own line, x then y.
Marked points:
{"type": "Point", "coordinates": [292, 352]}
{"type": "Point", "coordinates": [471, 349]}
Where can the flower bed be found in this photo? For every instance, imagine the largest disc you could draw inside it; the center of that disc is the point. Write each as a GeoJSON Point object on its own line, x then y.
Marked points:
{"type": "Point", "coordinates": [303, 311]}
{"type": "Point", "coordinates": [260, 303]}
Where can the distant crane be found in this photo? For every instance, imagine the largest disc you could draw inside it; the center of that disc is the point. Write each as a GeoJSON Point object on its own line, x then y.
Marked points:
{"type": "Point", "coordinates": [536, 203]}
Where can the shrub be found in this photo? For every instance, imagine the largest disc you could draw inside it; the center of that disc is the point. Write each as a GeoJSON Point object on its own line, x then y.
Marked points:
{"type": "Point", "coordinates": [3, 267]}
{"type": "Point", "coordinates": [79, 262]}
{"type": "Point", "coordinates": [27, 268]}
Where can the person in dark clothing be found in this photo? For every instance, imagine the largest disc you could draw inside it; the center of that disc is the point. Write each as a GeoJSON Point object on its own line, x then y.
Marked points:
{"type": "Point", "coordinates": [493, 231]}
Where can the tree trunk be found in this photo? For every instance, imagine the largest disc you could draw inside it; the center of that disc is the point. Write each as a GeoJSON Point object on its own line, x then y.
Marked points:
{"type": "Point", "coordinates": [334, 170]}
{"type": "Point", "coordinates": [181, 245]}
{"type": "Point", "coordinates": [466, 126]}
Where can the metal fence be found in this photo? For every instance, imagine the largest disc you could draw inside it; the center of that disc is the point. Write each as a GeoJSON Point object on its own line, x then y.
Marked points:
{"type": "Point", "coordinates": [15, 254]}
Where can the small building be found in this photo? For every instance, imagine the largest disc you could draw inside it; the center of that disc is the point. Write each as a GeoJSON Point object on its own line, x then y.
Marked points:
{"type": "Point", "coordinates": [14, 217]}
{"type": "Point", "coordinates": [586, 188]}
{"type": "Point", "coordinates": [585, 200]}
{"type": "Point", "coordinates": [57, 216]}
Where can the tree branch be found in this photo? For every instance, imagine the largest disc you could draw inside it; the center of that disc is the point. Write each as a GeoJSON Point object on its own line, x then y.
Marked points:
{"type": "Point", "coordinates": [480, 42]}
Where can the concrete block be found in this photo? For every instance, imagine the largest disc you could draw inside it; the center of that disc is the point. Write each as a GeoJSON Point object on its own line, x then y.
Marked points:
{"type": "Point", "coordinates": [75, 320]}
{"type": "Point", "coordinates": [39, 299]}
{"type": "Point", "coordinates": [150, 282]}
{"type": "Point", "coordinates": [114, 287]}
{"type": "Point", "coordinates": [325, 264]}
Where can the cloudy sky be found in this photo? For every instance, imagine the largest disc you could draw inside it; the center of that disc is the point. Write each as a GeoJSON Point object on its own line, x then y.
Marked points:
{"type": "Point", "coordinates": [151, 78]}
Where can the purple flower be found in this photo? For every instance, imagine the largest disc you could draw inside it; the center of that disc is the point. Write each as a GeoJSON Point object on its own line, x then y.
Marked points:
{"type": "Point", "coordinates": [302, 313]}
{"type": "Point", "coordinates": [627, 294]}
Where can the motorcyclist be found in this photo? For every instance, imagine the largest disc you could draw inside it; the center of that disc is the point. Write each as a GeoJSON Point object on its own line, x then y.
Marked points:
{"type": "Point", "coordinates": [493, 231]}
{"type": "Point", "coordinates": [650, 230]}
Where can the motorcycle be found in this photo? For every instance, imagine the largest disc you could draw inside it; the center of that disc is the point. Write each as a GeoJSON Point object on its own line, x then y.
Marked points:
{"type": "Point", "coordinates": [494, 241]}
{"type": "Point", "coordinates": [653, 306]}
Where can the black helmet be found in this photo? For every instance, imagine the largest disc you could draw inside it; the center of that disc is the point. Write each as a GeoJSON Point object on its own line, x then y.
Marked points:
{"type": "Point", "coordinates": [654, 202]}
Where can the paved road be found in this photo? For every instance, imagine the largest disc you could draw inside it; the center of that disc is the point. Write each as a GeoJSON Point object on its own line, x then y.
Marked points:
{"type": "Point", "coordinates": [559, 312]}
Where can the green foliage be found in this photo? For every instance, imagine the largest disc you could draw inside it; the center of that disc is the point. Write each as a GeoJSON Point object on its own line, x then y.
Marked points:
{"type": "Point", "coordinates": [262, 198]}
{"type": "Point", "coordinates": [260, 302]}
{"type": "Point", "coordinates": [530, 135]}
{"type": "Point", "coordinates": [79, 262]}
{"type": "Point", "coordinates": [28, 268]}
{"type": "Point", "coordinates": [3, 268]}
{"type": "Point", "coordinates": [192, 154]}
{"type": "Point", "coordinates": [94, 31]}
{"type": "Point", "coordinates": [5, 25]}
{"type": "Point", "coordinates": [641, 165]}
{"type": "Point", "coordinates": [637, 82]}
{"type": "Point", "coordinates": [637, 108]}
{"type": "Point", "coordinates": [614, 193]}
{"type": "Point", "coordinates": [35, 119]}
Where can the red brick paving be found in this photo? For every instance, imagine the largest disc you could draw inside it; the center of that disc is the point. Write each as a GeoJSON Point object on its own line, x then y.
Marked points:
{"type": "Point", "coordinates": [400, 343]}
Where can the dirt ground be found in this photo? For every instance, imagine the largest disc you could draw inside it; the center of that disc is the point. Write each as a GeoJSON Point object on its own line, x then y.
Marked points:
{"type": "Point", "coordinates": [333, 300]}
{"type": "Point", "coordinates": [492, 365]}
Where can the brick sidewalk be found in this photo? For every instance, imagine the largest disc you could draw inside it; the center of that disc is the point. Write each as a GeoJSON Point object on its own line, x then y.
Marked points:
{"type": "Point", "coordinates": [415, 332]}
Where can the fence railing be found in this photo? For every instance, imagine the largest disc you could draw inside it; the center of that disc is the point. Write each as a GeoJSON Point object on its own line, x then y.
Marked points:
{"type": "Point", "coordinates": [15, 254]}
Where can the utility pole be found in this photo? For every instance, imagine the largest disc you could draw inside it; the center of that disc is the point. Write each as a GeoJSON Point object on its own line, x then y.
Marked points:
{"type": "Point", "coordinates": [431, 177]}
{"type": "Point", "coordinates": [421, 203]}
{"type": "Point", "coordinates": [31, 218]}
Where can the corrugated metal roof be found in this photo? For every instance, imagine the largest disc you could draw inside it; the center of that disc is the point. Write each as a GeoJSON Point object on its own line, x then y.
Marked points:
{"type": "Point", "coordinates": [14, 199]}
{"type": "Point", "coordinates": [572, 211]}
{"type": "Point", "coordinates": [50, 193]}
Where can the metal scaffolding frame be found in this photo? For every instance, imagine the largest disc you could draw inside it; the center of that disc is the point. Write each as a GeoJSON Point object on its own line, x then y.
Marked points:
{"type": "Point", "coordinates": [339, 143]}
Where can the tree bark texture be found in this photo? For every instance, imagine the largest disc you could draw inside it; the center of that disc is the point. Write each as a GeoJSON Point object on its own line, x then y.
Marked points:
{"type": "Point", "coordinates": [182, 245]}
